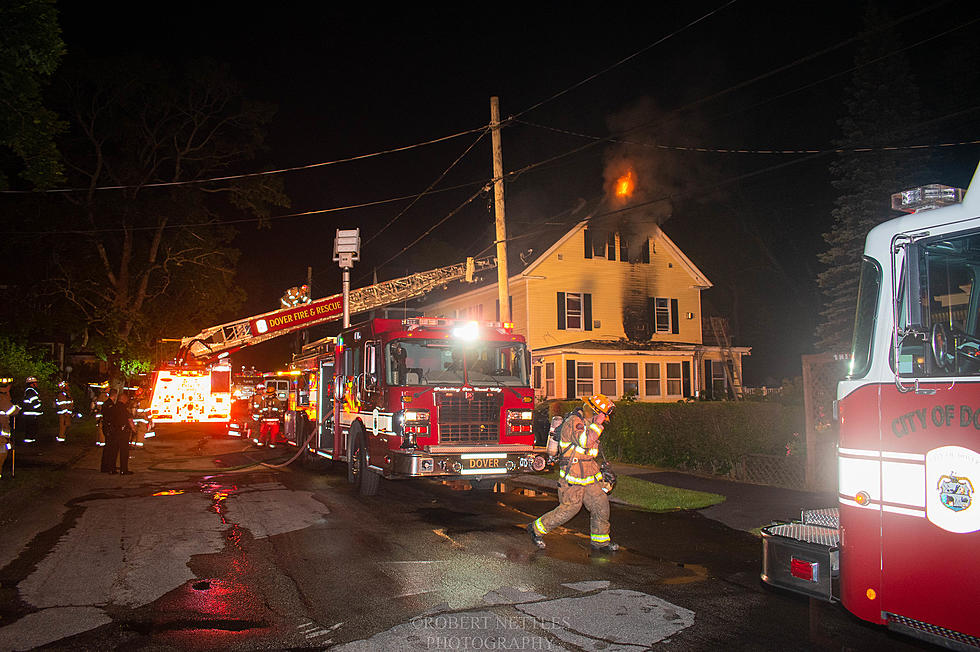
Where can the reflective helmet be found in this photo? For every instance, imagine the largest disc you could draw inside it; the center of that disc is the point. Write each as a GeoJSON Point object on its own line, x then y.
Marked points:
{"type": "Point", "coordinates": [5, 381]}
{"type": "Point", "coordinates": [270, 390]}
{"type": "Point", "coordinates": [63, 383]}
{"type": "Point", "coordinates": [600, 403]}
{"type": "Point", "coordinates": [30, 380]}
{"type": "Point", "coordinates": [260, 387]}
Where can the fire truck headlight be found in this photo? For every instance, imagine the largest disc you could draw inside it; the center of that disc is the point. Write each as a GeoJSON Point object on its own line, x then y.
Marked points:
{"type": "Point", "coordinates": [416, 416]}
{"type": "Point", "coordinates": [519, 421]}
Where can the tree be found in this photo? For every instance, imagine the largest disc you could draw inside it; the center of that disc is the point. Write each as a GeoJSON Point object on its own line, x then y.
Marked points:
{"type": "Point", "coordinates": [30, 50]}
{"type": "Point", "coordinates": [883, 110]}
{"type": "Point", "coordinates": [140, 262]}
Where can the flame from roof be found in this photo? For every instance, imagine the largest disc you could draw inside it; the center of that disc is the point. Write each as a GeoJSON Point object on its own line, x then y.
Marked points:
{"type": "Point", "coordinates": [625, 185]}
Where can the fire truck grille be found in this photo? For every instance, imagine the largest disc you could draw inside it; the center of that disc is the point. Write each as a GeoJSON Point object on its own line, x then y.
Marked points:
{"type": "Point", "coordinates": [473, 420]}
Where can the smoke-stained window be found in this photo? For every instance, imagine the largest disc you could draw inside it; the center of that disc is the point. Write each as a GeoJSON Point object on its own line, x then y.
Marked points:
{"type": "Point", "coordinates": [662, 314]}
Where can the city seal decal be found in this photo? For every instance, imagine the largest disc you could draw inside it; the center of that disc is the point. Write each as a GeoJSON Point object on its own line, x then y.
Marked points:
{"type": "Point", "coordinates": [955, 492]}
{"type": "Point", "coordinates": [950, 471]}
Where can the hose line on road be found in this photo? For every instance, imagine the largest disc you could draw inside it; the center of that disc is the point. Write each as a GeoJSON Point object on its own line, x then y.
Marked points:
{"type": "Point", "coordinates": [238, 469]}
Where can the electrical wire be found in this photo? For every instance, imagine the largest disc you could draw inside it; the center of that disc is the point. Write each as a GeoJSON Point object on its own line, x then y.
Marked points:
{"type": "Point", "coordinates": [234, 177]}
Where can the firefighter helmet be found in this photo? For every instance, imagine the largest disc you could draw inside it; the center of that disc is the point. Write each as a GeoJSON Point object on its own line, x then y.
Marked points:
{"type": "Point", "coordinates": [30, 380]}
{"type": "Point", "coordinates": [270, 389]}
{"type": "Point", "coordinates": [600, 403]}
{"type": "Point", "coordinates": [260, 387]}
{"type": "Point", "coordinates": [63, 383]}
{"type": "Point", "coordinates": [6, 381]}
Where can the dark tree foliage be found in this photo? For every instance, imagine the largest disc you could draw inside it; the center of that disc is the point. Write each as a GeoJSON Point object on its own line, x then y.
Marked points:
{"type": "Point", "coordinates": [883, 110]}
{"type": "Point", "coordinates": [30, 50]}
{"type": "Point", "coordinates": [139, 261]}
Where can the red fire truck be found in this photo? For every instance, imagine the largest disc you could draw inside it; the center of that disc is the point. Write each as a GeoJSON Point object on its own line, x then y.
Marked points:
{"type": "Point", "coordinates": [901, 547]}
{"type": "Point", "coordinates": [425, 398]}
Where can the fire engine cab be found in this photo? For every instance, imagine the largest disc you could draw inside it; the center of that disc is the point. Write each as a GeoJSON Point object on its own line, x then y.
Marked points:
{"type": "Point", "coordinates": [902, 547]}
{"type": "Point", "coordinates": [428, 398]}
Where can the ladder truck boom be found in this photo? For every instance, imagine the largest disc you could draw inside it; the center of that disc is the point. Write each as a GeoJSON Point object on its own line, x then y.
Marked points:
{"type": "Point", "coordinates": [219, 341]}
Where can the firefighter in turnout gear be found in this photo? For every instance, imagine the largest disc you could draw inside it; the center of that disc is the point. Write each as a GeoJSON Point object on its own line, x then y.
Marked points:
{"type": "Point", "coordinates": [31, 410]}
{"type": "Point", "coordinates": [255, 409]}
{"type": "Point", "coordinates": [64, 405]}
{"type": "Point", "coordinates": [580, 478]}
{"type": "Point", "coordinates": [141, 417]}
{"type": "Point", "coordinates": [7, 412]}
{"type": "Point", "coordinates": [271, 414]}
{"type": "Point", "coordinates": [98, 408]}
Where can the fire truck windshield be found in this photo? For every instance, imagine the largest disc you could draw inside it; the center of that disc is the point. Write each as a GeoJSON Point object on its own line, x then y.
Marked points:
{"type": "Point", "coordinates": [423, 362]}
{"type": "Point", "coordinates": [947, 341]}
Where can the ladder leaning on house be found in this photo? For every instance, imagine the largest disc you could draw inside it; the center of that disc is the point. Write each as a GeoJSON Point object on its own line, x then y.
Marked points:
{"type": "Point", "coordinates": [732, 373]}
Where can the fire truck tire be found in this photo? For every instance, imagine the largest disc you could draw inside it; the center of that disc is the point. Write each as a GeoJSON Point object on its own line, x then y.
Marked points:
{"type": "Point", "coordinates": [358, 473]}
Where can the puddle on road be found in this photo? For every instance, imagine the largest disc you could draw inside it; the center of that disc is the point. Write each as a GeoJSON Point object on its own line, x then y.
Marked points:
{"type": "Point", "coordinates": [496, 488]}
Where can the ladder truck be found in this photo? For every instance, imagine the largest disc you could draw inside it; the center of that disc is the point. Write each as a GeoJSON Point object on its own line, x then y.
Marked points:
{"type": "Point", "coordinates": [900, 548]}
{"type": "Point", "coordinates": [196, 388]}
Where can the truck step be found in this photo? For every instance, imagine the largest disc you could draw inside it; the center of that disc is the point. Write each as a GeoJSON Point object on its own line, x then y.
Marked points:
{"type": "Point", "coordinates": [829, 517]}
{"type": "Point", "coordinates": [819, 534]}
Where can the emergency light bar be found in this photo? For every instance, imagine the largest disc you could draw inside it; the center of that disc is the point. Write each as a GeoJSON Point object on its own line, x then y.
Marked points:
{"type": "Point", "coordinates": [926, 197]}
{"type": "Point", "coordinates": [413, 323]}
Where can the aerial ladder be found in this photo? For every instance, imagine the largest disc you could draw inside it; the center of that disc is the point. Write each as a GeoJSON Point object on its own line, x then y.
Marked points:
{"type": "Point", "coordinates": [196, 387]}
{"type": "Point", "coordinates": [217, 342]}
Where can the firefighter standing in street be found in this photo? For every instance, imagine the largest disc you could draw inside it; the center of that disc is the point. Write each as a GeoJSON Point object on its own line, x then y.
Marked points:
{"type": "Point", "coordinates": [7, 412]}
{"type": "Point", "coordinates": [271, 414]}
{"type": "Point", "coordinates": [580, 477]}
{"type": "Point", "coordinates": [141, 416]}
{"type": "Point", "coordinates": [64, 406]}
{"type": "Point", "coordinates": [98, 405]}
{"type": "Point", "coordinates": [106, 401]}
{"type": "Point", "coordinates": [31, 408]}
{"type": "Point", "coordinates": [255, 408]}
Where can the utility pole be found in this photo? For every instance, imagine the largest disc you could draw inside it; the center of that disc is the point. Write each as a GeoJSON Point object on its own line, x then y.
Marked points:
{"type": "Point", "coordinates": [503, 291]}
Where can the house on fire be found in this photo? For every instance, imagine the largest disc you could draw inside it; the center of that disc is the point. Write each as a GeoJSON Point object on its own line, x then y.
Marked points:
{"type": "Point", "coordinates": [603, 316]}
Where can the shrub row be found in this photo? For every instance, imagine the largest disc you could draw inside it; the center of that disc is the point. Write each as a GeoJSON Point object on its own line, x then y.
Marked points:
{"type": "Point", "coordinates": [707, 436]}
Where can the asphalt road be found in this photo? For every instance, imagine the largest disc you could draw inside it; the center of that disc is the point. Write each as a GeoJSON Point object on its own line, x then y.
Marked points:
{"type": "Point", "coordinates": [185, 554]}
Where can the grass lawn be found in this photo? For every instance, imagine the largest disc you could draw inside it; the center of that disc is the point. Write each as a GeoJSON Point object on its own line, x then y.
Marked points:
{"type": "Point", "coordinates": [660, 498]}
{"type": "Point", "coordinates": [657, 497]}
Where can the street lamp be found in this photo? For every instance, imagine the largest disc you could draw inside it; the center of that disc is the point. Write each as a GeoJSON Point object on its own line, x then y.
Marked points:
{"type": "Point", "coordinates": [347, 250]}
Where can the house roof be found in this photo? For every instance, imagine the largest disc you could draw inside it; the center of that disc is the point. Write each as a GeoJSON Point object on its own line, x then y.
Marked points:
{"type": "Point", "coordinates": [529, 247]}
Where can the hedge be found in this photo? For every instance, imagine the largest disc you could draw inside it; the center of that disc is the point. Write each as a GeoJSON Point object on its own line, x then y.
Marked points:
{"type": "Point", "coordinates": [705, 436]}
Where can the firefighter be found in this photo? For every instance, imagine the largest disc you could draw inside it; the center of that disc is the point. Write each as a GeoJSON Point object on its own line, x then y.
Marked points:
{"type": "Point", "coordinates": [8, 409]}
{"type": "Point", "coordinates": [64, 405]}
{"type": "Point", "coordinates": [271, 416]}
{"type": "Point", "coordinates": [97, 405]}
{"type": "Point", "coordinates": [580, 477]}
{"type": "Point", "coordinates": [30, 406]}
{"type": "Point", "coordinates": [106, 401]}
{"type": "Point", "coordinates": [141, 417]}
{"type": "Point", "coordinates": [255, 409]}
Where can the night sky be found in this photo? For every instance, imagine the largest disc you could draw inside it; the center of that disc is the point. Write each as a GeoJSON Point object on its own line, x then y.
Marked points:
{"type": "Point", "coordinates": [351, 80]}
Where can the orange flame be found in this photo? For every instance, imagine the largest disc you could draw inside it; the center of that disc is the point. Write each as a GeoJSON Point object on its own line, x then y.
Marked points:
{"type": "Point", "coordinates": [625, 185]}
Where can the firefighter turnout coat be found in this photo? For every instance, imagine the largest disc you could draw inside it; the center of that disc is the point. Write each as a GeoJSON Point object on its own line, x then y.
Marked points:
{"type": "Point", "coordinates": [7, 412]}
{"type": "Point", "coordinates": [64, 406]}
{"type": "Point", "coordinates": [579, 479]}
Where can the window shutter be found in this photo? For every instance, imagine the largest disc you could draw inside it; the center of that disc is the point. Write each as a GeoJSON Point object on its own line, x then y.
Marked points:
{"type": "Point", "coordinates": [611, 246]}
{"type": "Point", "coordinates": [587, 310]}
{"type": "Point", "coordinates": [709, 381]}
{"type": "Point", "coordinates": [498, 309]}
{"type": "Point", "coordinates": [652, 315]}
{"type": "Point", "coordinates": [588, 243]}
{"type": "Point", "coordinates": [561, 311]}
{"type": "Point", "coordinates": [569, 380]}
{"type": "Point", "coordinates": [624, 248]}
{"type": "Point", "coordinates": [686, 378]}
{"type": "Point", "coordinates": [645, 254]}
{"type": "Point", "coordinates": [675, 327]}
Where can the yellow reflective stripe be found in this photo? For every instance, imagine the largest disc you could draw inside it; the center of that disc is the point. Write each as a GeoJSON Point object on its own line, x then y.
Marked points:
{"type": "Point", "coordinates": [539, 528]}
{"type": "Point", "coordinates": [600, 538]}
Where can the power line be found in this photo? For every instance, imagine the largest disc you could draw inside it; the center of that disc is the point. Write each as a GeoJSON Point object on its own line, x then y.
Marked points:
{"type": "Point", "coordinates": [233, 177]}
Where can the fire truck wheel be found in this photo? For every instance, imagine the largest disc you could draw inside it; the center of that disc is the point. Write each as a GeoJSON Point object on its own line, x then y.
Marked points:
{"type": "Point", "coordinates": [358, 473]}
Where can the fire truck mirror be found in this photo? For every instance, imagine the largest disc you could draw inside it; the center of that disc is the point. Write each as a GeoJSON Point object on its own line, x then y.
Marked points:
{"type": "Point", "coordinates": [371, 357]}
{"type": "Point", "coordinates": [338, 388]}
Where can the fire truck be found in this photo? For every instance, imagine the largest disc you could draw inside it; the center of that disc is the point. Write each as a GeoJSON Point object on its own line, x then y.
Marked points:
{"type": "Point", "coordinates": [196, 387]}
{"type": "Point", "coordinates": [901, 546]}
{"type": "Point", "coordinates": [420, 397]}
